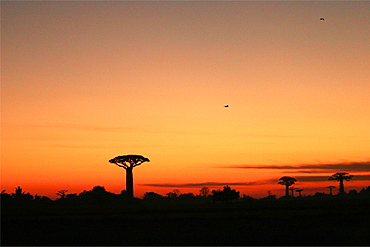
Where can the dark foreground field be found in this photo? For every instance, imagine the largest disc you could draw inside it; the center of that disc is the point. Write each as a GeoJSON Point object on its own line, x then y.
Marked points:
{"type": "Point", "coordinates": [279, 222]}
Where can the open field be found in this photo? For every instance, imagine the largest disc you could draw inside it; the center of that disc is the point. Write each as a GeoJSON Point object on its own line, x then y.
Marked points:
{"type": "Point", "coordinates": [290, 222]}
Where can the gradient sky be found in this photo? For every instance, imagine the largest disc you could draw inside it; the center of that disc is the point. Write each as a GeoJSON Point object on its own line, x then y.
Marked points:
{"type": "Point", "coordinates": [85, 81]}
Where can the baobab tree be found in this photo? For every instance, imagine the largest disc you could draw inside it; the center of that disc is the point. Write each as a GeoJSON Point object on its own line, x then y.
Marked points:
{"type": "Point", "coordinates": [299, 192]}
{"type": "Point", "coordinates": [287, 181]}
{"type": "Point", "coordinates": [341, 176]}
{"type": "Point", "coordinates": [128, 162]}
{"type": "Point", "coordinates": [331, 187]}
{"type": "Point", "coordinates": [292, 190]}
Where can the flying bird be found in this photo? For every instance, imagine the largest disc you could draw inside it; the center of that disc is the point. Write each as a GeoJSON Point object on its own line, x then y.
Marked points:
{"type": "Point", "coordinates": [226, 105]}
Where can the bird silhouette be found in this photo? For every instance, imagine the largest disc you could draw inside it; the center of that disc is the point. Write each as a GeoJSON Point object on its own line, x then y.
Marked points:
{"type": "Point", "coordinates": [226, 105]}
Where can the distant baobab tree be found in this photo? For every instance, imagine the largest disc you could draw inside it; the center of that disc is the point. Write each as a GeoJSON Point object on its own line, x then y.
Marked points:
{"type": "Point", "coordinates": [128, 162]}
{"type": "Point", "coordinates": [287, 181]}
{"type": "Point", "coordinates": [292, 190]}
{"type": "Point", "coordinates": [341, 176]}
{"type": "Point", "coordinates": [331, 187]}
{"type": "Point", "coordinates": [299, 192]}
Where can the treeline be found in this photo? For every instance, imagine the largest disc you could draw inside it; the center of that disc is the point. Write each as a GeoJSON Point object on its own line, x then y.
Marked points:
{"type": "Point", "coordinates": [100, 196]}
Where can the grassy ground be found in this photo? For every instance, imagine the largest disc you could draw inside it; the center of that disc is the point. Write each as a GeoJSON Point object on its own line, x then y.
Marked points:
{"type": "Point", "coordinates": [253, 223]}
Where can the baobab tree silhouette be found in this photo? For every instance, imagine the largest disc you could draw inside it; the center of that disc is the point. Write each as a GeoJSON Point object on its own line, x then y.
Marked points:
{"type": "Point", "coordinates": [292, 190]}
{"type": "Point", "coordinates": [299, 192]}
{"type": "Point", "coordinates": [331, 187]}
{"type": "Point", "coordinates": [128, 162]}
{"type": "Point", "coordinates": [287, 181]}
{"type": "Point", "coordinates": [341, 176]}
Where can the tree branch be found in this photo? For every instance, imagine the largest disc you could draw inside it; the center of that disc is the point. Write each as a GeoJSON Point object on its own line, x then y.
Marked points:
{"type": "Point", "coordinates": [123, 165]}
{"type": "Point", "coordinates": [138, 163]}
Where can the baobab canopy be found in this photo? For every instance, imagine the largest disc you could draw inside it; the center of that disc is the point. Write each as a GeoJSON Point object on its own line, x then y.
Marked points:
{"type": "Point", "coordinates": [129, 161]}
{"type": "Point", "coordinates": [341, 176]}
{"type": "Point", "coordinates": [287, 181]}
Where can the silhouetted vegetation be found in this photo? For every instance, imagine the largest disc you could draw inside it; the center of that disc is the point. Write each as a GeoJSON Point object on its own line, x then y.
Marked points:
{"type": "Point", "coordinates": [152, 196]}
{"type": "Point", "coordinates": [331, 189]}
{"type": "Point", "coordinates": [98, 217]}
{"type": "Point", "coordinates": [225, 195]}
{"type": "Point", "coordinates": [287, 182]}
{"type": "Point", "coordinates": [205, 191]}
{"type": "Point", "coordinates": [341, 176]}
{"type": "Point", "coordinates": [299, 192]}
{"type": "Point", "coordinates": [220, 217]}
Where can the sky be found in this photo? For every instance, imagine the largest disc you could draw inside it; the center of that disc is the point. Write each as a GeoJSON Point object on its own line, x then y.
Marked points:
{"type": "Point", "coordinates": [85, 81]}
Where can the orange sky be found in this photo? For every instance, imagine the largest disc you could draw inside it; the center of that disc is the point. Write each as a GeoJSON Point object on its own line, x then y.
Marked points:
{"type": "Point", "coordinates": [83, 82]}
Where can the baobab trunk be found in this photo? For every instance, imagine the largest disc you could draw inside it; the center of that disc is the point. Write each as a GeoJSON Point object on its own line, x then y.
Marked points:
{"type": "Point", "coordinates": [129, 182]}
{"type": "Point", "coordinates": [287, 191]}
{"type": "Point", "coordinates": [341, 187]}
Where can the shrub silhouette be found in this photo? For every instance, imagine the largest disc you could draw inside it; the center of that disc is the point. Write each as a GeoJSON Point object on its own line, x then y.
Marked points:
{"type": "Point", "coordinates": [226, 195]}
{"type": "Point", "coordinates": [5, 197]}
{"type": "Point", "coordinates": [152, 195]}
{"type": "Point", "coordinates": [353, 192]}
{"type": "Point", "coordinates": [175, 193]}
{"type": "Point", "coordinates": [62, 193]}
{"type": "Point", "coordinates": [205, 191]}
{"type": "Point", "coordinates": [365, 191]}
{"type": "Point", "coordinates": [187, 195]}
{"type": "Point", "coordinates": [97, 196]}
{"type": "Point", "coordinates": [19, 194]}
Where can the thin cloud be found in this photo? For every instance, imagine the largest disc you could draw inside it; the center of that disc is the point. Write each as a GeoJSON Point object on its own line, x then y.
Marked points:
{"type": "Point", "coordinates": [364, 177]}
{"type": "Point", "coordinates": [259, 182]}
{"type": "Point", "coordinates": [210, 184]}
{"type": "Point", "coordinates": [315, 168]}
{"type": "Point", "coordinates": [326, 178]}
